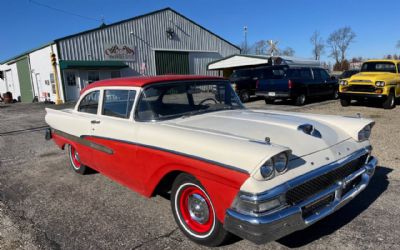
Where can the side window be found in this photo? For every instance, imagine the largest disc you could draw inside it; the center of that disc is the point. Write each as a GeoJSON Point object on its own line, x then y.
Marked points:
{"type": "Point", "coordinates": [305, 73]}
{"type": "Point", "coordinates": [325, 75]}
{"type": "Point", "coordinates": [317, 74]}
{"type": "Point", "coordinates": [118, 103]}
{"type": "Point", "coordinates": [398, 68]}
{"type": "Point", "coordinates": [90, 103]}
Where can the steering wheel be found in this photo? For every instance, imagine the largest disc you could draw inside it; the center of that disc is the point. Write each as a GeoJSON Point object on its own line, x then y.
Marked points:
{"type": "Point", "coordinates": [208, 99]}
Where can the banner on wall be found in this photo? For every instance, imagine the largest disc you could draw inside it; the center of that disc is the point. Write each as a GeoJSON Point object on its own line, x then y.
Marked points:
{"type": "Point", "coordinates": [119, 52]}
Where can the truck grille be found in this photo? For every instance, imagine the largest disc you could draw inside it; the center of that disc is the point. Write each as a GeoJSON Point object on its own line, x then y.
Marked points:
{"type": "Point", "coordinates": [361, 88]}
{"type": "Point", "coordinates": [316, 185]}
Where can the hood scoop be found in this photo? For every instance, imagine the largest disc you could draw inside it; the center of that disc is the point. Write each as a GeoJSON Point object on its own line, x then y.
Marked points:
{"type": "Point", "coordinates": [309, 130]}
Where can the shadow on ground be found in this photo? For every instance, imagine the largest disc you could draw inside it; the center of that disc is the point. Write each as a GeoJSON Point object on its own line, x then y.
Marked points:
{"type": "Point", "coordinates": [330, 224]}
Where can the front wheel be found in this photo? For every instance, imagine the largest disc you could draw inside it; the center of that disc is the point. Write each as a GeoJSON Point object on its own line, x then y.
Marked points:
{"type": "Point", "coordinates": [194, 212]}
{"type": "Point", "coordinates": [390, 101]}
{"type": "Point", "coordinates": [345, 102]}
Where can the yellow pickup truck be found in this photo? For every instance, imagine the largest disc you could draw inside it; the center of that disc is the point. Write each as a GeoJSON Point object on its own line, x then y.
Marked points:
{"type": "Point", "coordinates": [378, 79]}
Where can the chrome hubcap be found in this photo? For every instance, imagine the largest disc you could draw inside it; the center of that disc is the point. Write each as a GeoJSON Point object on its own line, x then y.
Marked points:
{"type": "Point", "coordinates": [198, 208]}
{"type": "Point", "coordinates": [76, 155]}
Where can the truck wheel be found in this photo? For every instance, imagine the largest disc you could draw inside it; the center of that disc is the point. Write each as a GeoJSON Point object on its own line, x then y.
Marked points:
{"type": "Point", "coordinates": [269, 101]}
{"type": "Point", "coordinates": [75, 162]}
{"type": "Point", "coordinates": [345, 102]}
{"type": "Point", "coordinates": [390, 101]}
{"type": "Point", "coordinates": [194, 212]}
{"type": "Point", "coordinates": [244, 96]}
{"type": "Point", "coordinates": [300, 100]}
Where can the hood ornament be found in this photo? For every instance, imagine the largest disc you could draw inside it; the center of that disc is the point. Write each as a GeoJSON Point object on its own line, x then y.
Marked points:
{"type": "Point", "coordinates": [267, 140]}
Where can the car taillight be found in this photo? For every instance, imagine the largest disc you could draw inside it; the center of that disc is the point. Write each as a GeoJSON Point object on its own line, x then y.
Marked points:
{"type": "Point", "coordinates": [290, 84]}
{"type": "Point", "coordinates": [257, 83]}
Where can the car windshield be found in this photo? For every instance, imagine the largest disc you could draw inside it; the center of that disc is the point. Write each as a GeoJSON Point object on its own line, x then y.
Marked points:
{"type": "Point", "coordinates": [182, 99]}
{"type": "Point", "coordinates": [378, 67]}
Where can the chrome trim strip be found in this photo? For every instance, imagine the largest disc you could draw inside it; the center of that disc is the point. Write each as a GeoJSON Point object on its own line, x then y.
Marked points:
{"type": "Point", "coordinates": [283, 188]}
{"type": "Point", "coordinates": [81, 140]}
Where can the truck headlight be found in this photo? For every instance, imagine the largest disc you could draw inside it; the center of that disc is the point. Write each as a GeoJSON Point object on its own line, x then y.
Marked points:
{"type": "Point", "coordinates": [343, 82]}
{"type": "Point", "coordinates": [267, 170]}
{"type": "Point", "coordinates": [280, 162]}
{"type": "Point", "coordinates": [380, 83]}
{"type": "Point", "coordinates": [365, 133]}
{"type": "Point", "coordinates": [248, 204]}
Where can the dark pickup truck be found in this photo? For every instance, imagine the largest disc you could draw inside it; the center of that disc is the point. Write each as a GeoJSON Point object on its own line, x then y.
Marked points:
{"type": "Point", "coordinates": [295, 83]}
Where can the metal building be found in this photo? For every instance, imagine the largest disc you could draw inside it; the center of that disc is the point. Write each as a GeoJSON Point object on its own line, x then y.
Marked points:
{"type": "Point", "coordinates": [160, 42]}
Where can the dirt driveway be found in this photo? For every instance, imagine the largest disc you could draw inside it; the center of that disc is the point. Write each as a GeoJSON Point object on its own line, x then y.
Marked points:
{"type": "Point", "coordinates": [44, 205]}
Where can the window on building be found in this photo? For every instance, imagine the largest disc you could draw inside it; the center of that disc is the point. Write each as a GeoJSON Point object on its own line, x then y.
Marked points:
{"type": "Point", "coordinates": [93, 76]}
{"type": "Point", "coordinates": [118, 103]}
{"type": "Point", "coordinates": [52, 80]}
{"type": "Point", "coordinates": [90, 103]}
{"type": "Point", "coordinates": [115, 74]}
{"type": "Point", "coordinates": [71, 79]}
{"type": "Point", "coordinates": [2, 75]}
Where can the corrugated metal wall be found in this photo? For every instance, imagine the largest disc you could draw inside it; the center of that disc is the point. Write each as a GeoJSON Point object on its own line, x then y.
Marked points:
{"type": "Point", "coordinates": [147, 35]}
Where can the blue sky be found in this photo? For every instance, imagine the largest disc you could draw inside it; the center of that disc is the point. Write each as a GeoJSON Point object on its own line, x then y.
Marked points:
{"type": "Point", "coordinates": [376, 23]}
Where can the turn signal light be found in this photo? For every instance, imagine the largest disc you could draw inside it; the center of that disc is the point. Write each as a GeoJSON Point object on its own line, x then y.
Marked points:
{"type": "Point", "coordinates": [379, 91]}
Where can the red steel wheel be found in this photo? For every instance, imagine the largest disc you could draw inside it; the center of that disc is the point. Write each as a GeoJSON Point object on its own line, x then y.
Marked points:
{"type": "Point", "coordinates": [194, 212]}
{"type": "Point", "coordinates": [75, 161]}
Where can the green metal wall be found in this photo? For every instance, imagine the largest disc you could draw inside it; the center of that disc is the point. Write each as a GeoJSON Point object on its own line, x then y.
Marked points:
{"type": "Point", "coordinates": [172, 62]}
{"type": "Point", "coordinates": [24, 80]}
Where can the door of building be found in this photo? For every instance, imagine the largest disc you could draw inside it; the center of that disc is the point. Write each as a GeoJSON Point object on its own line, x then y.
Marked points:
{"type": "Point", "coordinates": [24, 77]}
{"type": "Point", "coordinates": [71, 85]}
{"type": "Point", "coordinates": [172, 62]}
{"type": "Point", "coordinates": [10, 83]}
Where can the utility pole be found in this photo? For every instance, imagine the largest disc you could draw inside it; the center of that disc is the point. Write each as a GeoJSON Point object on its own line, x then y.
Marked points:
{"type": "Point", "coordinates": [54, 63]}
{"type": "Point", "coordinates": [245, 39]}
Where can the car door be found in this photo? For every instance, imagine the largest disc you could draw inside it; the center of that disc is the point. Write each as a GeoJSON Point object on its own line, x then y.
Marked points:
{"type": "Point", "coordinates": [318, 86]}
{"type": "Point", "coordinates": [307, 81]}
{"type": "Point", "coordinates": [116, 132]}
{"type": "Point", "coordinates": [329, 84]}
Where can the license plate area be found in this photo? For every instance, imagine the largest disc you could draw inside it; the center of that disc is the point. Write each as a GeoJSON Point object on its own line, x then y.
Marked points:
{"type": "Point", "coordinates": [317, 205]}
{"type": "Point", "coordinates": [271, 93]}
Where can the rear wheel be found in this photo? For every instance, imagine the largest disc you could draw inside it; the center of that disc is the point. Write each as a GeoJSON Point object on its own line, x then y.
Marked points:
{"type": "Point", "coordinates": [345, 102]}
{"type": "Point", "coordinates": [390, 101]}
{"type": "Point", "coordinates": [300, 100]}
{"type": "Point", "coordinates": [75, 161]}
{"type": "Point", "coordinates": [244, 96]}
{"type": "Point", "coordinates": [194, 212]}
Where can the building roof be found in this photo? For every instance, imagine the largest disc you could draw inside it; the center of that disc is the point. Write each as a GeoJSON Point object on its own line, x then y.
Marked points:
{"type": "Point", "coordinates": [238, 61]}
{"type": "Point", "coordinates": [12, 59]}
{"type": "Point", "coordinates": [141, 81]}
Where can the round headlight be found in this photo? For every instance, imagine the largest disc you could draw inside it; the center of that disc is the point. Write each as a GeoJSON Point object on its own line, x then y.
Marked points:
{"type": "Point", "coordinates": [280, 162]}
{"type": "Point", "coordinates": [267, 170]}
{"type": "Point", "coordinates": [343, 82]}
{"type": "Point", "coordinates": [380, 83]}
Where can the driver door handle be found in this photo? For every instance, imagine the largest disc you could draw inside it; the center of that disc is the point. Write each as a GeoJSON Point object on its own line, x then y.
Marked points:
{"type": "Point", "coordinates": [94, 121]}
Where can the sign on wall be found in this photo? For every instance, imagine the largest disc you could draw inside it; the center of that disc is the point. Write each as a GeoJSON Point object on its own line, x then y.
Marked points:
{"type": "Point", "coordinates": [119, 52]}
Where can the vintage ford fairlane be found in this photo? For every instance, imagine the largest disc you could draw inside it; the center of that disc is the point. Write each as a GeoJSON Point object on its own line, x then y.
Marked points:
{"type": "Point", "coordinates": [257, 174]}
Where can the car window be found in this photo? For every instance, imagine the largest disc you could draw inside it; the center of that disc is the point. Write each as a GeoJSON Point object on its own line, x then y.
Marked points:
{"type": "Point", "coordinates": [90, 103]}
{"type": "Point", "coordinates": [398, 68]}
{"type": "Point", "coordinates": [118, 103]}
{"type": "Point", "coordinates": [325, 74]}
{"type": "Point", "coordinates": [305, 73]}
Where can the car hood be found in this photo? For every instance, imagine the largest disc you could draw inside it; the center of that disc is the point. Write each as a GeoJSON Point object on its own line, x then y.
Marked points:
{"type": "Point", "coordinates": [281, 128]}
{"type": "Point", "coordinates": [371, 76]}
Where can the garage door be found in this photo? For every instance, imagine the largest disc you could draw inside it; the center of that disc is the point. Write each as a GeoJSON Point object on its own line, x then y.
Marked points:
{"type": "Point", "coordinates": [172, 62]}
{"type": "Point", "coordinates": [24, 80]}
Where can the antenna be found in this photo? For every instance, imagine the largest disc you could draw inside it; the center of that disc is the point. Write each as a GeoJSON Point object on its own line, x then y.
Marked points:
{"type": "Point", "coordinates": [245, 39]}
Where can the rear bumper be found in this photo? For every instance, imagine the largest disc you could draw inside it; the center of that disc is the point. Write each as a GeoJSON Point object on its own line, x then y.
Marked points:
{"type": "Point", "coordinates": [288, 220]}
{"type": "Point", "coordinates": [273, 95]}
{"type": "Point", "coordinates": [353, 95]}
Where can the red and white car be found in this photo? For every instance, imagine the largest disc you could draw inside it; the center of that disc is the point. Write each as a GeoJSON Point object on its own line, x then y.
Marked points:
{"type": "Point", "coordinates": [258, 174]}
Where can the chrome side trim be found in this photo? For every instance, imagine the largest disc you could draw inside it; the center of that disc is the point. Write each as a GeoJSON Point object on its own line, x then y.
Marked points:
{"type": "Point", "coordinates": [283, 188]}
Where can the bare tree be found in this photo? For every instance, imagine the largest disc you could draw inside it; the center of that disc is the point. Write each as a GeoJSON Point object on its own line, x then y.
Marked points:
{"type": "Point", "coordinates": [260, 47]}
{"type": "Point", "coordinates": [339, 42]}
{"type": "Point", "coordinates": [244, 48]}
{"type": "Point", "coordinates": [318, 45]}
{"type": "Point", "coordinates": [288, 51]}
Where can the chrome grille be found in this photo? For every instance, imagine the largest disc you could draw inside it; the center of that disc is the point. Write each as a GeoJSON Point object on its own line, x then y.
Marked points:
{"type": "Point", "coordinates": [316, 185]}
{"type": "Point", "coordinates": [361, 88]}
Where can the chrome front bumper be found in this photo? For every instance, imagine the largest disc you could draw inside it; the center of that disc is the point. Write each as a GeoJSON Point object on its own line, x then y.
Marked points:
{"type": "Point", "coordinates": [278, 224]}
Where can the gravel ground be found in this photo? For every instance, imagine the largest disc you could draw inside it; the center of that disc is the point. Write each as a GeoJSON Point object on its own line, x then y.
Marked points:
{"type": "Point", "coordinates": [44, 205]}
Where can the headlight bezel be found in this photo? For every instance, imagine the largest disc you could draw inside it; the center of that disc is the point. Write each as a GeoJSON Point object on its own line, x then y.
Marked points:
{"type": "Point", "coordinates": [380, 83]}
{"type": "Point", "coordinates": [343, 82]}
{"type": "Point", "coordinates": [365, 133]}
{"type": "Point", "coordinates": [269, 169]}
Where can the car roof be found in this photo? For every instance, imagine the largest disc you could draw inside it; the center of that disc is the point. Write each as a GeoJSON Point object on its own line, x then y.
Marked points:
{"type": "Point", "coordinates": [141, 81]}
{"type": "Point", "coordinates": [383, 60]}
